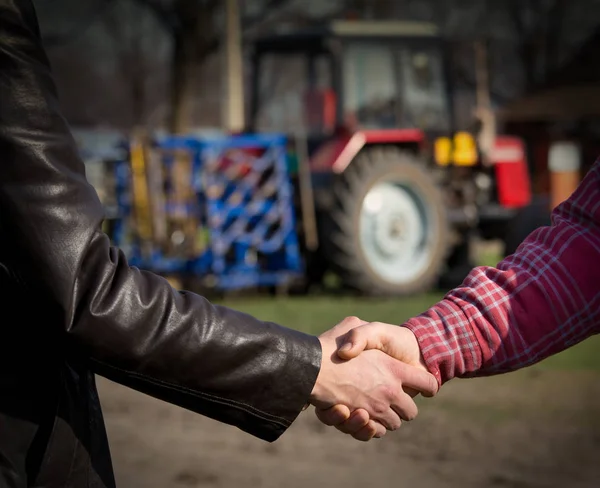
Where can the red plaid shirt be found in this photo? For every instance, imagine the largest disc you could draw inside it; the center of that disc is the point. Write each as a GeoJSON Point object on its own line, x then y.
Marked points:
{"type": "Point", "coordinates": [537, 302]}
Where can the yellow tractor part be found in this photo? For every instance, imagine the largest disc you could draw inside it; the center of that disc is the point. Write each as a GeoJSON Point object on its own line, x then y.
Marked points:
{"type": "Point", "coordinates": [465, 150]}
{"type": "Point", "coordinates": [184, 222]}
{"type": "Point", "coordinates": [460, 151]}
{"type": "Point", "coordinates": [443, 151]}
{"type": "Point", "coordinates": [141, 200]}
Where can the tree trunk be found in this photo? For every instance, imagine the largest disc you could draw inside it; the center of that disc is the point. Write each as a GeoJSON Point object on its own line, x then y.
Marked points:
{"type": "Point", "coordinates": [137, 80]}
{"type": "Point", "coordinates": [193, 40]}
{"type": "Point", "coordinates": [179, 70]}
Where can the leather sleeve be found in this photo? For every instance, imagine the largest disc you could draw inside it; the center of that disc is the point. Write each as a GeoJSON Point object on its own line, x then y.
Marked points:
{"type": "Point", "coordinates": [130, 325]}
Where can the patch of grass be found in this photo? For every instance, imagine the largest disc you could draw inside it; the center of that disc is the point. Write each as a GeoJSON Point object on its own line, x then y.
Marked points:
{"type": "Point", "coordinates": [317, 314]}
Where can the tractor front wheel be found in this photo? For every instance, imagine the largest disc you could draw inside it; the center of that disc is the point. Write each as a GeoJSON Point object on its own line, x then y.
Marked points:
{"type": "Point", "coordinates": [388, 232]}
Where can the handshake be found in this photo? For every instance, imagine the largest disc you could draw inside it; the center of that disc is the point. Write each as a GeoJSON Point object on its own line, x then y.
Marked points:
{"type": "Point", "coordinates": [369, 374]}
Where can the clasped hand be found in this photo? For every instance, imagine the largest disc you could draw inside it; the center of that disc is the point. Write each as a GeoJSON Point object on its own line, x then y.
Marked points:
{"type": "Point", "coordinates": [369, 375]}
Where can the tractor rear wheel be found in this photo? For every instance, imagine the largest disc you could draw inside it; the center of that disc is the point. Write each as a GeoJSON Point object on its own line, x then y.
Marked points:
{"type": "Point", "coordinates": [388, 232]}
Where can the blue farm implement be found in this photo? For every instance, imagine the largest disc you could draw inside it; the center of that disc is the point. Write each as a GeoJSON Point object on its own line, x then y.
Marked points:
{"type": "Point", "coordinates": [217, 208]}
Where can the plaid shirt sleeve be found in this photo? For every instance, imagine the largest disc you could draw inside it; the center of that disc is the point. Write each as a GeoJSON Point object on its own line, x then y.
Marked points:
{"type": "Point", "coordinates": [536, 303]}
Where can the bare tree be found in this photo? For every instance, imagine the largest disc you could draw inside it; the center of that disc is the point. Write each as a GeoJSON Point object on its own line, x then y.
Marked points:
{"type": "Point", "coordinates": [195, 28]}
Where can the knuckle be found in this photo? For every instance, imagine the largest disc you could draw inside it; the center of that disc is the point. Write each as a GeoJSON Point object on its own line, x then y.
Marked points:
{"type": "Point", "coordinates": [389, 393]}
{"type": "Point", "coordinates": [360, 418]}
{"type": "Point", "coordinates": [380, 407]}
{"type": "Point", "coordinates": [352, 320]}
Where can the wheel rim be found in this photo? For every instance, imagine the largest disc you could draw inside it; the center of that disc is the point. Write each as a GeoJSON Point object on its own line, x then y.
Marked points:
{"type": "Point", "coordinates": [397, 232]}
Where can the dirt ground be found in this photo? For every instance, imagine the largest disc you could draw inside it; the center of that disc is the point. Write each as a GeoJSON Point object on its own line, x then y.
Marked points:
{"type": "Point", "coordinates": [528, 429]}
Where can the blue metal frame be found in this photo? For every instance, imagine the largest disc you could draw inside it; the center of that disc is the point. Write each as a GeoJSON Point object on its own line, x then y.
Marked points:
{"type": "Point", "coordinates": [238, 230]}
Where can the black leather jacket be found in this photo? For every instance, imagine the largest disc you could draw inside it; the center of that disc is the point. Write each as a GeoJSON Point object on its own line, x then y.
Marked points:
{"type": "Point", "coordinates": [71, 307]}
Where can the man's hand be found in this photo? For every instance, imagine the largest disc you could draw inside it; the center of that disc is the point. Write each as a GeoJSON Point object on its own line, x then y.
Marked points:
{"type": "Point", "coordinates": [370, 386]}
{"type": "Point", "coordinates": [397, 342]}
{"type": "Point", "coordinates": [394, 340]}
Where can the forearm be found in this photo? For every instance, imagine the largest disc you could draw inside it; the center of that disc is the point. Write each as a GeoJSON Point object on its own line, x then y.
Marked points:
{"type": "Point", "coordinates": [537, 302]}
{"type": "Point", "coordinates": [130, 325]}
{"type": "Point", "coordinates": [179, 347]}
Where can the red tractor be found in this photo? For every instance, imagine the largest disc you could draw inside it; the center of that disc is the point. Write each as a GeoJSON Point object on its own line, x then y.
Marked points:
{"type": "Point", "coordinates": [390, 193]}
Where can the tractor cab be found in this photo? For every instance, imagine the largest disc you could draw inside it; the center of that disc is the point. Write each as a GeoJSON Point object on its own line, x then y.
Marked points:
{"type": "Point", "coordinates": [352, 75]}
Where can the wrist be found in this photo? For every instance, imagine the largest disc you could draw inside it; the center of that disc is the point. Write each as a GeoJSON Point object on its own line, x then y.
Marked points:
{"type": "Point", "coordinates": [317, 393]}
{"type": "Point", "coordinates": [317, 386]}
{"type": "Point", "coordinates": [423, 340]}
{"type": "Point", "coordinates": [419, 359]}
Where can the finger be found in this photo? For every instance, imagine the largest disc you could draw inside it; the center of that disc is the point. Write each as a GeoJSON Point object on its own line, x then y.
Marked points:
{"type": "Point", "coordinates": [417, 379]}
{"type": "Point", "coordinates": [377, 428]}
{"type": "Point", "coordinates": [389, 418]}
{"type": "Point", "coordinates": [380, 430]}
{"type": "Point", "coordinates": [367, 432]}
{"type": "Point", "coordinates": [405, 407]}
{"type": "Point", "coordinates": [358, 420]}
{"type": "Point", "coordinates": [357, 340]}
{"type": "Point", "coordinates": [335, 415]}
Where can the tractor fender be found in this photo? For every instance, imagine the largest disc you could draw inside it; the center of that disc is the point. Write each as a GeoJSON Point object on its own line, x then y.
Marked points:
{"type": "Point", "coordinates": [511, 170]}
{"type": "Point", "coordinates": [335, 155]}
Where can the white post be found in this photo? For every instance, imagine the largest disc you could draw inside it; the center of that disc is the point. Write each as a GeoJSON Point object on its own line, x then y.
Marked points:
{"type": "Point", "coordinates": [564, 165]}
{"type": "Point", "coordinates": [233, 70]}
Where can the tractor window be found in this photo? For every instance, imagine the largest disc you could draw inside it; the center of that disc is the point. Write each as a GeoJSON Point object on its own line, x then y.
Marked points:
{"type": "Point", "coordinates": [282, 82]}
{"type": "Point", "coordinates": [370, 86]}
{"type": "Point", "coordinates": [423, 90]}
{"type": "Point", "coordinates": [294, 97]}
{"type": "Point", "coordinates": [386, 86]}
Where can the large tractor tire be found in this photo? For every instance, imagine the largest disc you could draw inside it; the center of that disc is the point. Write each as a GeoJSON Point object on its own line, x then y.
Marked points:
{"type": "Point", "coordinates": [388, 231]}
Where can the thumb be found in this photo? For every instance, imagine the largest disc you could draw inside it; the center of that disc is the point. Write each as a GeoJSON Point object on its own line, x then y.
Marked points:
{"type": "Point", "coordinates": [359, 339]}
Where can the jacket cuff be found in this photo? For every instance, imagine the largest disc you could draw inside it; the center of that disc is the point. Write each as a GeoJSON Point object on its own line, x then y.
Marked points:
{"type": "Point", "coordinates": [295, 383]}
